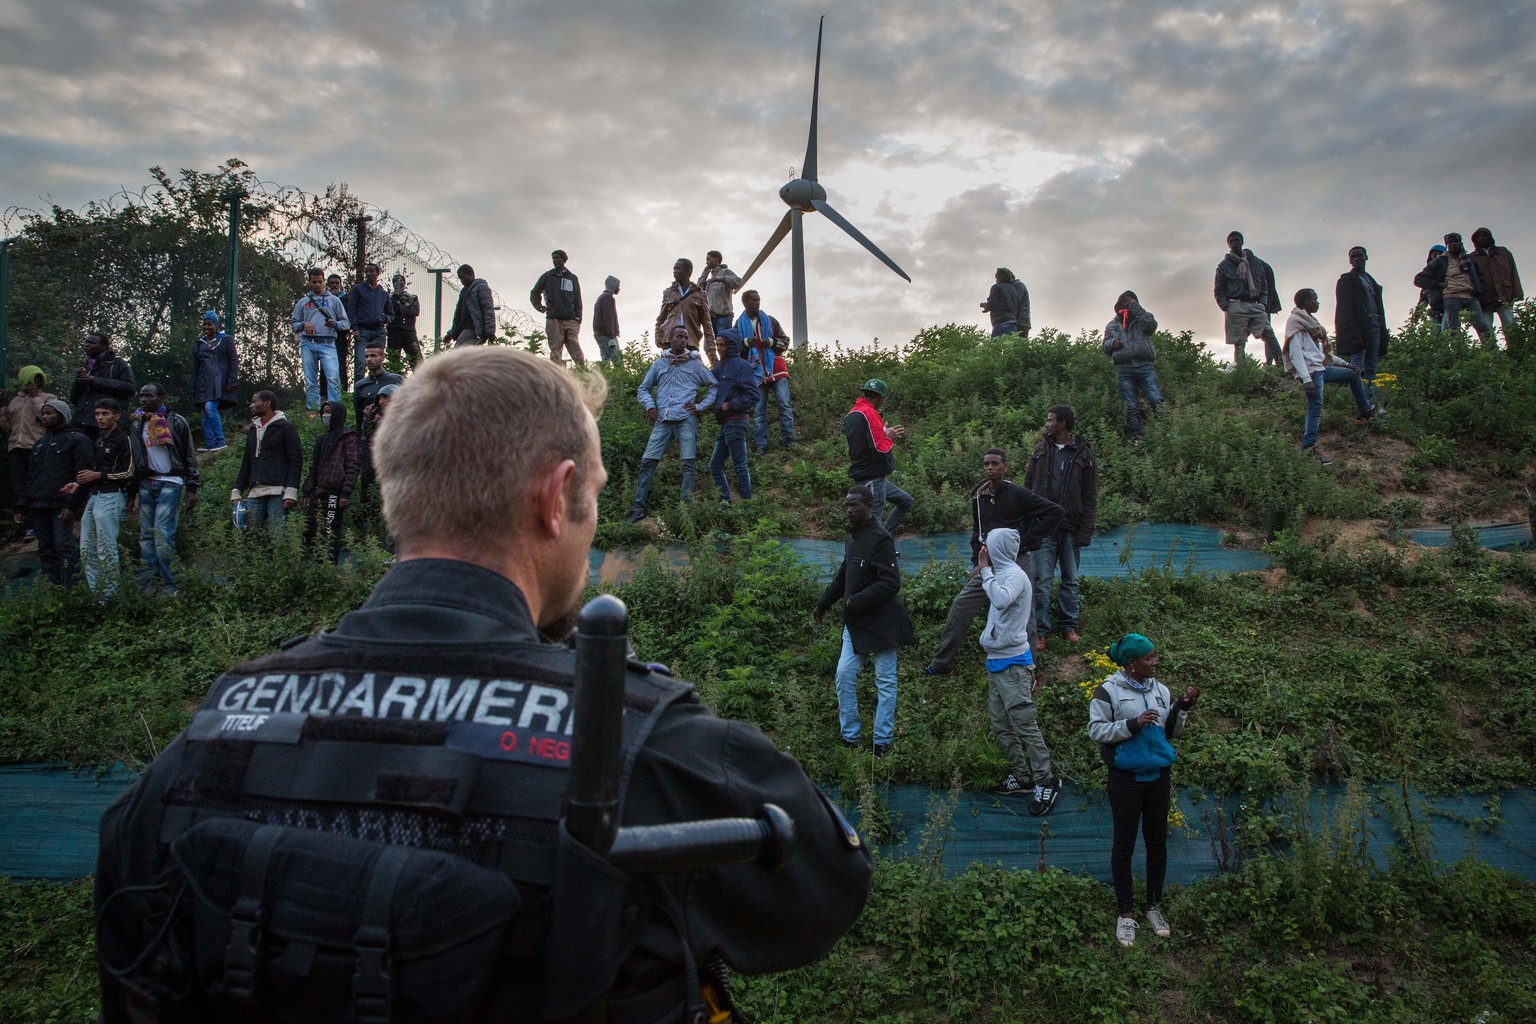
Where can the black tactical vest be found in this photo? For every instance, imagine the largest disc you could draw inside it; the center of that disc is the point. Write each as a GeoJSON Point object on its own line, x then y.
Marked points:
{"type": "Point", "coordinates": [339, 836]}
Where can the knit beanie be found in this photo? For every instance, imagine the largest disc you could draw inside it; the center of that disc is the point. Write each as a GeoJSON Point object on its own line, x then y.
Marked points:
{"type": "Point", "coordinates": [58, 405]}
{"type": "Point", "coordinates": [1128, 648]}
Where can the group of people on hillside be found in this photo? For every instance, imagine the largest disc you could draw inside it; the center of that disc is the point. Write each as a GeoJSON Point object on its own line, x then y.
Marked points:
{"type": "Point", "coordinates": [1021, 536]}
{"type": "Point", "coordinates": [115, 449]}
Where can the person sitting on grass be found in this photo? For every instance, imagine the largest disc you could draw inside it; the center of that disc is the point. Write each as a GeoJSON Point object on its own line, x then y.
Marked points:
{"type": "Point", "coordinates": [1309, 358]}
{"type": "Point", "coordinates": [1011, 672]}
{"type": "Point", "coordinates": [1132, 717]}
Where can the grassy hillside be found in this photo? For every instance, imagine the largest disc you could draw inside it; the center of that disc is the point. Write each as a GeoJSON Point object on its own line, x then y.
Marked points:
{"type": "Point", "coordinates": [1358, 657]}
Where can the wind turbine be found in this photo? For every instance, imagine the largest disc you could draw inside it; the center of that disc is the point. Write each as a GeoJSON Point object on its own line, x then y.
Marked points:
{"type": "Point", "coordinates": [805, 195]}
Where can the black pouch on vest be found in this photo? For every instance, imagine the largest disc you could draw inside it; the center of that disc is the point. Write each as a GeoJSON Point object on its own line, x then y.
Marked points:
{"type": "Point", "coordinates": [298, 925]}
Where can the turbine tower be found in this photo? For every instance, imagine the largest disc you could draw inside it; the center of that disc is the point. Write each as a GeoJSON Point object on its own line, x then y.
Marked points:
{"type": "Point", "coordinates": [805, 195]}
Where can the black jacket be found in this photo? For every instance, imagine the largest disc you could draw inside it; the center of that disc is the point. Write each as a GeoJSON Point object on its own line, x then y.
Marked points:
{"type": "Point", "coordinates": [868, 582]}
{"type": "Point", "coordinates": [183, 456]}
{"type": "Point", "coordinates": [112, 378]}
{"type": "Point", "coordinates": [1232, 286]}
{"type": "Point", "coordinates": [278, 463]}
{"type": "Point", "coordinates": [1014, 507]}
{"type": "Point", "coordinates": [1079, 491]}
{"type": "Point", "coordinates": [738, 394]}
{"type": "Point", "coordinates": [407, 309]}
{"type": "Point", "coordinates": [1352, 313]}
{"type": "Point", "coordinates": [366, 391]}
{"type": "Point", "coordinates": [114, 461]}
{"type": "Point", "coordinates": [56, 457]}
{"type": "Point", "coordinates": [550, 293]}
{"type": "Point", "coordinates": [692, 766]}
{"type": "Point", "coordinates": [865, 461]}
{"type": "Point", "coordinates": [1432, 277]}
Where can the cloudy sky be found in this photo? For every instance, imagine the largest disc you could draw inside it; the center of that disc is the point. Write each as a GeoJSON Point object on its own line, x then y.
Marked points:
{"type": "Point", "coordinates": [1091, 146]}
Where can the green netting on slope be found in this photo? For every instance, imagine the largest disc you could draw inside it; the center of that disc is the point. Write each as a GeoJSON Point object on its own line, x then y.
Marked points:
{"type": "Point", "coordinates": [49, 815]}
{"type": "Point", "coordinates": [1496, 536]}
{"type": "Point", "coordinates": [1077, 833]}
{"type": "Point", "coordinates": [1118, 552]}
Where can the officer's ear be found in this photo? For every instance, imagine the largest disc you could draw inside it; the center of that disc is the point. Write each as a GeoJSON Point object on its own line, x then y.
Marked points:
{"type": "Point", "coordinates": [554, 497]}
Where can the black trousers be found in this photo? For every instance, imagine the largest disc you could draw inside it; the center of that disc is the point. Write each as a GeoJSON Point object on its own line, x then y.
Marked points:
{"type": "Point", "coordinates": [1143, 804]}
{"type": "Point", "coordinates": [323, 515]}
{"type": "Point", "coordinates": [57, 547]}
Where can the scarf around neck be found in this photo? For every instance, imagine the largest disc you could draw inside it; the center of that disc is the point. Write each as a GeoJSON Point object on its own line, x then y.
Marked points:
{"type": "Point", "coordinates": [157, 430]}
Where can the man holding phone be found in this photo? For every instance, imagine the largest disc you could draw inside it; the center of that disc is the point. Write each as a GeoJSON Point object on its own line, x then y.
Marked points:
{"type": "Point", "coordinates": [317, 316]}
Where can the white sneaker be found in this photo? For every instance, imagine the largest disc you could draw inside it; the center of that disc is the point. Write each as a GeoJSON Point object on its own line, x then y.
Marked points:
{"type": "Point", "coordinates": [1125, 930]}
{"type": "Point", "coordinates": [1158, 922]}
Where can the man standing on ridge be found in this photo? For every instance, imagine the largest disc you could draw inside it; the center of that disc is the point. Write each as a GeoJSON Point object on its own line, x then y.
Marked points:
{"type": "Point", "coordinates": [1244, 284]}
{"type": "Point", "coordinates": [371, 308]}
{"type": "Point", "coordinates": [996, 502]}
{"type": "Point", "coordinates": [104, 375]}
{"type": "Point", "coordinates": [401, 333]}
{"type": "Point", "coordinates": [719, 283]}
{"type": "Point", "coordinates": [767, 342]}
{"type": "Point", "coordinates": [683, 303]}
{"type": "Point", "coordinates": [474, 316]}
{"type": "Point", "coordinates": [869, 454]}
{"type": "Point", "coordinates": [1501, 279]}
{"type": "Point", "coordinates": [557, 294]}
{"type": "Point", "coordinates": [317, 316]}
{"type": "Point", "coordinates": [605, 321]}
{"type": "Point", "coordinates": [1062, 469]}
{"type": "Point", "coordinates": [168, 482]}
{"type": "Point", "coordinates": [1359, 321]}
{"type": "Point", "coordinates": [677, 378]}
{"type": "Point", "coordinates": [1008, 305]}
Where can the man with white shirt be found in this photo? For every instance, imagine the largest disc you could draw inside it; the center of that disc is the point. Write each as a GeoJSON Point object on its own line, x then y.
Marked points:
{"type": "Point", "coordinates": [1308, 355]}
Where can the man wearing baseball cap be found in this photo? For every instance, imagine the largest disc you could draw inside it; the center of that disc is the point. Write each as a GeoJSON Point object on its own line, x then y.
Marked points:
{"type": "Point", "coordinates": [869, 453]}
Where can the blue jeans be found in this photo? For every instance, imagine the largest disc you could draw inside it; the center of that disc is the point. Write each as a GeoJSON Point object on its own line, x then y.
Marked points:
{"type": "Point", "coordinates": [998, 330]}
{"type": "Point", "coordinates": [99, 526]}
{"type": "Point", "coordinates": [722, 323]}
{"type": "Point", "coordinates": [1480, 322]}
{"type": "Point", "coordinates": [732, 442]}
{"type": "Point", "coordinates": [1331, 375]}
{"type": "Point", "coordinates": [360, 339]}
{"type": "Point", "coordinates": [213, 425]}
{"type": "Point", "coordinates": [159, 513]}
{"type": "Point", "coordinates": [608, 349]}
{"type": "Point", "coordinates": [779, 389]}
{"type": "Point", "coordinates": [1057, 551]}
{"type": "Point", "coordinates": [265, 511]}
{"type": "Point", "coordinates": [1131, 379]}
{"type": "Point", "coordinates": [848, 666]}
{"type": "Point", "coordinates": [686, 432]}
{"type": "Point", "coordinates": [883, 490]}
{"type": "Point", "coordinates": [318, 355]}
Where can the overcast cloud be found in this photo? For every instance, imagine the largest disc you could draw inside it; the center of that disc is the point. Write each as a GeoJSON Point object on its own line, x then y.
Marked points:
{"type": "Point", "coordinates": [1089, 146]}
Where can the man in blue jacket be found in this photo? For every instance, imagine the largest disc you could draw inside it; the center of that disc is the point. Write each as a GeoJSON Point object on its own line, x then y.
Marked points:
{"type": "Point", "coordinates": [733, 411]}
{"type": "Point", "coordinates": [676, 378]}
{"type": "Point", "coordinates": [372, 309]}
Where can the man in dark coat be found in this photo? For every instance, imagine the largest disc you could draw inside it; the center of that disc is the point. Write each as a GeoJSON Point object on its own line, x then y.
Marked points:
{"type": "Point", "coordinates": [104, 375]}
{"type": "Point", "coordinates": [401, 333]}
{"type": "Point", "coordinates": [1501, 279]}
{"type": "Point", "coordinates": [1245, 291]}
{"type": "Point", "coordinates": [271, 467]}
{"type": "Point", "coordinates": [1360, 320]}
{"type": "Point", "coordinates": [1008, 305]}
{"type": "Point", "coordinates": [52, 498]}
{"type": "Point", "coordinates": [736, 400]}
{"type": "Point", "coordinates": [1062, 468]}
{"type": "Point", "coordinates": [875, 622]}
{"type": "Point", "coordinates": [215, 377]}
{"type": "Point", "coordinates": [333, 469]}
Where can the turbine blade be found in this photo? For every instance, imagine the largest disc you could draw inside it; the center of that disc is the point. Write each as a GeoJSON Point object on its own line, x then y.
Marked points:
{"type": "Point", "coordinates": [858, 236]}
{"type": "Point", "coordinates": [778, 236]}
{"type": "Point", "coordinates": [808, 169]}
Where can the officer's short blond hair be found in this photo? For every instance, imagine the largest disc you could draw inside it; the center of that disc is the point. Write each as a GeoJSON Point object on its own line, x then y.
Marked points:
{"type": "Point", "coordinates": [468, 434]}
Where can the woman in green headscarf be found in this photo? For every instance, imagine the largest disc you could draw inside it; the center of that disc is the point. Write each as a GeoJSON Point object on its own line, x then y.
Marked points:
{"type": "Point", "coordinates": [1132, 717]}
{"type": "Point", "coordinates": [21, 421]}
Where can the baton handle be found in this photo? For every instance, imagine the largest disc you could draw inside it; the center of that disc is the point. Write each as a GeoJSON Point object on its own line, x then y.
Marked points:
{"type": "Point", "coordinates": [766, 840]}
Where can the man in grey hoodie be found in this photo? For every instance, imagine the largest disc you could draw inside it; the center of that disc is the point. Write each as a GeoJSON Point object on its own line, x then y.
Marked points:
{"type": "Point", "coordinates": [1011, 672]}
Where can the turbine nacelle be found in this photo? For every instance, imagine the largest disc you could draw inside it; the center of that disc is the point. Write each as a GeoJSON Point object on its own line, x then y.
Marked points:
{"type": "Point", "coordinates": [801, 193]}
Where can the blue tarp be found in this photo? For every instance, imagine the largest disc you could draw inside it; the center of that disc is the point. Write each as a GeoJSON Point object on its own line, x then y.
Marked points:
{"type": "Point", "coordinates": [49, 815]}
{"type": "Point", "coordinates": [1118, 552]}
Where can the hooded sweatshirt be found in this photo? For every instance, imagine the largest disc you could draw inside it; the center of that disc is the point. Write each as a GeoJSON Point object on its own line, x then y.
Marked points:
{"type": "Point", "coordinates": [1006, 636]}
{"type": "Point", "coordinates": [334, 463]}
{"type": "Point", "coordinates": [738, 384]}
